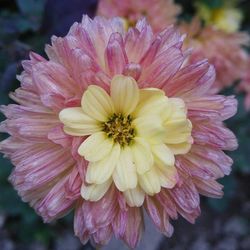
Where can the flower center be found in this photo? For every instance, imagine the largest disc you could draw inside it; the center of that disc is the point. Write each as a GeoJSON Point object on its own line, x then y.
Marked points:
{"type": "Point", "coordinates": [120, 129]}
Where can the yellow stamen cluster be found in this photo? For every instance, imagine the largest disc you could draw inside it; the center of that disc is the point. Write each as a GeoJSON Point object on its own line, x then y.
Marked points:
{"type": "Point", "coordinates": [120, 129]}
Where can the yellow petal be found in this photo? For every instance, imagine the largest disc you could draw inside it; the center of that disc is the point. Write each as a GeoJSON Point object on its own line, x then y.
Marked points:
{"type": "Point", "coordinates": [95, 192]}
{"type": "Point", "coordinates": [77, 123]}
{"type": "Point", "coordinates": [100, 171]}
{"type": "Point", "coordinates": [142, 155]}
{"type": "Point", "coordinates": [96, 147]}
{"type": "Point", "coordinates": [163, 155]}
{"type": "Point", "coordinates": [152, 101]}
{"type": "Point", "coordinates": [97, 103]}
{"type": "Point", "coordinates": [148, 93]}
{"type": "Point", "coordinates": [177, 131]}
{"type": "Point", "coordinates": [178, 110]}
{"type": "Point", "coordinates": [168, 175]}
{"type": "Point", "coordinates": [80, 132]}
{"type": "Point", "coordinates": [125, 176]}
{"type": "Point", "coordinates": [178, 107]}
{"type": "Point", "coordinates": [150, 182]}
{"type": "Point", "coordinates": [181, 148]}
{"type": "Point", "coordinates": [134, 197]}
{"type": "Point", "coordinates": [124, 93]}
{"type": "Point", "coordinates": [150, 128]}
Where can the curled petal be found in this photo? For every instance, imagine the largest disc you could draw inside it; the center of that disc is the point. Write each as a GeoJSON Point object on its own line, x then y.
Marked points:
{"type": "Point", "coordinates": [95, 192]}
{"type": "Point", "coordinates": [134, 197]}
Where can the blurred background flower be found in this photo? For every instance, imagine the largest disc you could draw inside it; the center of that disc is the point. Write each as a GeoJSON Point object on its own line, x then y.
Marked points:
{"type": "Point", "coordinates": [222, 14]}
{"type": "Point", "coordinates": [226, 51]}
{"type": "Point", "coordinates": [159, 13]}
{"type": "Point", "coordinates": [224, 224]}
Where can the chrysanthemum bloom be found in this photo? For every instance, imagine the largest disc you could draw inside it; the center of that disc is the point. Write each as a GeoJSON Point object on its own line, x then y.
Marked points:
{"type": "Point", "coordinates": [226, 18]}
{"type": "Point", "coordinates": [245, 87]}
{"type": "Point", "coordinates": [224, 50]}
{"type": "Point", "coordinates": [112, 123]}
{"type": "Point", "coordinates": [159, 13]}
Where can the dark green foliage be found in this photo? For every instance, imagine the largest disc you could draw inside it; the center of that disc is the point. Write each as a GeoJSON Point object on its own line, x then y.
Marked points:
{"type": "Point", "coordinates": [213, 4]}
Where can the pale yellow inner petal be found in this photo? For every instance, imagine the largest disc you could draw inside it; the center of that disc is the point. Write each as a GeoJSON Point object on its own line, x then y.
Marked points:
{"type": "Point", "coordinates": [125, 94]}
{"type": "Point", "coordinates": [125, 176]}
{"type": "Point", "coordinates": [97, 103]}
{"type": "Point", "coordinates": [150, 182]}
{"type": "Point", "coordinates": [100, 171]}
{"type": "Point", "coordinates": [142, 155]}
{"type": "Point", "coordinates": [96, 147]}
{"type": "Point", "coordinates": [150, 127]}
{"type": "Point", "coordinates": [134, 197]}
{"type": "Point", "coordinates": [181, 148]}
{"type": "Point", "coordinates": [168, 175]}
{"type": "Point", "coordinates": [95, 192]}
{"type": "Point", "coordinates": [77, 123]}
{"type": "Point", "coordinates": [151, 102]}
{"type": "Point", "coordinates": [163, 155]}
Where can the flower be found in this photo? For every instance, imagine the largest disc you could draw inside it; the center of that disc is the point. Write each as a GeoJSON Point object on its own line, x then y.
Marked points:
{"type": "Point", "coordinates": [114, 122]}
{"type": "Point", "coordinates": [230, 59]}
{"type": "Point", "coordinates": [226, 18]}
{"type": "Point", "coordinates": [162, 12]}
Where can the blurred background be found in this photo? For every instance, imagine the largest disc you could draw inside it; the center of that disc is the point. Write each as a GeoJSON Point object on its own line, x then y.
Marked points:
{"type": "Point", "coordinates": [223, 225]}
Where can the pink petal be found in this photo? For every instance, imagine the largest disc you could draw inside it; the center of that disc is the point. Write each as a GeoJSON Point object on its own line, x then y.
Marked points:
{"type": "Point", "coordinates": [37, 167]}
{"type": "Point", "coordinates": [73, 185]}
{"type": "Point", "coordinates": [58, 136]}
{"type": "Point", "coordinates": [134, 227]}
{"type": "Point", "coordinates": [167, 203]}
{"type": "Point", "coordinates": [215, 135]}
{"type": "Point", "coordinates": [161, 70]}
{"type": "Point", "coordinates": [55, 204]}
{"type": "Point", "coordinates": [79, 223]}
{"type": "Point", "coordinates": [159, 216]}
{"type": "Point", "coordinates": [215, 156]}
{"type": "Point", "coordinates": [133, 41]}
{"type": "Point", "coordinates": [54, 84]}
{"type": "Point", "coordinates": [214, 107]}
{"type": "Point", "coordinates": [209, 188]}
{"type": "Point", "coordinates": [106, 207]}
{"type": "Point", "coordinates": [192, 80]}
{"type": "Point", "coordinates": [28, 123]}
{"type": "Point", "coordinates": [186, 196]}
{"type": "Point", "coordinates": [115, 55]}
{"type": "Point", "coordinates": [102, 236]}
{"type": "Point", "coordinates": [119, 224]}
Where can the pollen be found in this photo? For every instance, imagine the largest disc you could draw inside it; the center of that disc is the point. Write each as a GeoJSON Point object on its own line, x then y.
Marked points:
{"type": "Point", "coordinates": [120, 129]}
